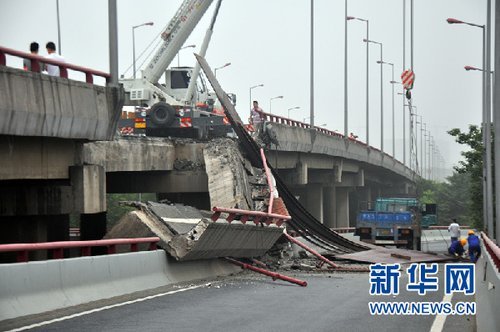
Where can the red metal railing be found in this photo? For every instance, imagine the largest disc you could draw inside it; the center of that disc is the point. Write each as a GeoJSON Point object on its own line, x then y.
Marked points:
{"type": "Point", "coordinates": [245, 215]}
{"type": "Point", "coordinates": [63, 66]}
{"type": "Point", "coordinates": [493, 250]}
{"type": "Point", "coordinates": [271, 274]}
{"type": "Point", "coordinates": [269, 181]}
{"type": "Point", "coordinates": [22, 249]}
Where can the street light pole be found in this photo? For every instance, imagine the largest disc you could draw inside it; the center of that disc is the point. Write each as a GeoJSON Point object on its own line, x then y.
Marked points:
{"type": "Point", "coordinates": [486, 129]}
{"type": "Point", "coordinates": [381, 94]}
{"type": "Point", "coordinates": [393, 121]}
{"type": "Point", "coordinates": [291, 109]}
{"type": "Point", "coordinates": [346, 105]}
{"type": "Point", "coordinates": [223, 66]}
{"type": "Point", "coordinates": [133, 41]}
{"type": "Point", "coordinates": [367, 77]}
{"type": "Point", "coordinates": [311, 83]}
{"type": "Point", "coordinates": [270, 100]}
{"type": "Point", "coordinates": [422, 154]}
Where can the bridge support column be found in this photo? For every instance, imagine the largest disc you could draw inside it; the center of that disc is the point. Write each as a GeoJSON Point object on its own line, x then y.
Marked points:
{"type": "Point", "coordinates": [314, 200]}
{"type": "Point", "coordinates": [342, 206]}
{"type": "Point", "coordinates": [329, 213]}
{"type": "Point", "coordinates": [89, 188]}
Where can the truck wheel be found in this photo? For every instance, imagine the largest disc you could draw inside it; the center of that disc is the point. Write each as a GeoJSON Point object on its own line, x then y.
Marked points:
{"type": "Point", "coordinates": [162, 114]}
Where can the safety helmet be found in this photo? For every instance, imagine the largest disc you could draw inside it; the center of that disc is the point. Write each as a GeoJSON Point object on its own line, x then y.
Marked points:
{"type": "Point", "coordinates": [471, 232]}
{"type": "Point", "coordinates": [463, 242]}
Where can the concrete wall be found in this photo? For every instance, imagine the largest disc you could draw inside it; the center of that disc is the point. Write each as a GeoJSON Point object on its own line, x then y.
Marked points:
{"type": "Point", "coordinates": [487, 294]}
{"type": "Point", "coordinates": [34, 104]}
{"type": "Point", "coordinates": [36, 287]}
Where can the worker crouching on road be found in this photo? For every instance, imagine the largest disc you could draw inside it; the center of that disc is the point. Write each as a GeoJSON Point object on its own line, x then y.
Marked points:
{"type": "Point", "coordinates": [457, 247]}
{"type": "Point", "coordinates": [474, 246]}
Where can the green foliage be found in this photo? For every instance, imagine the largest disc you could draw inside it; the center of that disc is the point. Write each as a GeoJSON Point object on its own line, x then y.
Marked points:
{"type": "Point", "coordinates": [116, 211]}
{"type": "Point", "coordinates": [472, 166]}
{"type": "Point", "coordinates": [452, 197]}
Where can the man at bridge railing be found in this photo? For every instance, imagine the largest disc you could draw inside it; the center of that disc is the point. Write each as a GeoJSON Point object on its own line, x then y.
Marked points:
{"type": "Point", "coordinates": [34, 47]}
{"type": "Point", "coordinates": [53, 70]}
{"type": "Point", "coordinates": [256, 117]}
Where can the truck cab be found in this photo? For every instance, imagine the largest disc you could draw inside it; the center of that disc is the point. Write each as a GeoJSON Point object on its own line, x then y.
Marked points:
{"type": "Point", "coordinates": [390, 221]}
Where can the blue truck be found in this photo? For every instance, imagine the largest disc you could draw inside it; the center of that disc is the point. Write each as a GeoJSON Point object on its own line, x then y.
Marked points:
{"type": "Point", "coordinates": [394, 221]}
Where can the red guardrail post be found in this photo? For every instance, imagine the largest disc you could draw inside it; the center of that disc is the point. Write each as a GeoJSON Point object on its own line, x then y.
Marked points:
{"type": "Point", "coordinates": [89, 78]}
{"type": "Point", "coordinates": [57, 253]}
{"type": "Point", "coordinates": [22, 256]}
{"type": "Point", "coordinates": [63, 71]}
{"type": "Point", "coordinates": [85, 251]}
{"type": "Point", "coordinates": [3, 61]}
{"type": "Point", "coordinates": [111, 249]}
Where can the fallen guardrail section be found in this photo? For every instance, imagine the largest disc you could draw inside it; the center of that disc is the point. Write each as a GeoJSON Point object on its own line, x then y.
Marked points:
{"type": "Point", "coordinates": [187, 233]}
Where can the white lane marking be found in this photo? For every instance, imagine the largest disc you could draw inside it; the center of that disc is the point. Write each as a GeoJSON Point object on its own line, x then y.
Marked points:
{"type": "Point", "coordinates": [438, 324]}
{"type": "Point", "coordinates": [88, 312]}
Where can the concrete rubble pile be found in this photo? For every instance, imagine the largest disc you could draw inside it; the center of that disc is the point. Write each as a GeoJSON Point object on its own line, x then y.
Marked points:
{"type": "Point", "coordinates": [187, 233]}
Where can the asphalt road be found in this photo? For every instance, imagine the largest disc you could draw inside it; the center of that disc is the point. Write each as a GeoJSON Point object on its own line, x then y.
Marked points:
{"type": "Point", "coordinates": [248, 302]}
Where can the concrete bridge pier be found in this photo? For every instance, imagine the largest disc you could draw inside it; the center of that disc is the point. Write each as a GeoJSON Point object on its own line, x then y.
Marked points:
{"type": "Point", "coordinates": [314, 200]}
{"type": "Point", "coordinates": [342, 207]}
{"type": "Point", "coordinates": [329, 207]}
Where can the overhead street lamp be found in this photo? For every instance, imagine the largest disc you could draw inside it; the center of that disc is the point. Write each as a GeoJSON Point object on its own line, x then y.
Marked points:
{"type": "Point", "coordinates": [404, 122]}
{"type": "Point", "coordinates": [381, 94]}
{"type": "Point", "coordinates": [486, 128]}
{"type": "Point", "coordinates": [251, 88]}
{"type": "Point", "coordinates": [273, 98]}
{"type": "Point", "coordinates": [421, 123]}
{"type": "Point", "coordinates": [133, 41]}
{"type": "Point", "coordinates": [223, 66]}
{"type": "Point", "coordinates": [291, 109]}
{"type": "Point", "coordinates": [393, 121]}
{"type": "Point", "coordinates": [182, 48]}
{"type": "Point", "coordinates": [367, 77]}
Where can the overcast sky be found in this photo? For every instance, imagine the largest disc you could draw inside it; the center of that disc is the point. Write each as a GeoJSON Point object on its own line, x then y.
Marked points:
{"type": "Point", "coordinates": [267, 41]}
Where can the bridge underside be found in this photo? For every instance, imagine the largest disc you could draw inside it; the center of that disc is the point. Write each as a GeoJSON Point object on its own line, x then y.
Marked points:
{"type": "Point", "coordinates": [332, 188]}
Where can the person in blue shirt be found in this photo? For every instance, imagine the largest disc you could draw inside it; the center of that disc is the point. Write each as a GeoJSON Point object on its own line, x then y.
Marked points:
{"type": "Point", "coordinates": [457, 247]}
{"type": "Point", "coordinates": [474, 246]}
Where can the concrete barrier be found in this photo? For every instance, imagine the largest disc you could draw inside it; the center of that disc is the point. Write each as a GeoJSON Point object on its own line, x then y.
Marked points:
{"type": "Point", "coordinates": [36, 287]}
{"type": "Point", "coordinates": [487, 293]}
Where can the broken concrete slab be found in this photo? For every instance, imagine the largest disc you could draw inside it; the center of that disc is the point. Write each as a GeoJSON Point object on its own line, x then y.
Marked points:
{"type": "Point", "coordinates": [187, 235]}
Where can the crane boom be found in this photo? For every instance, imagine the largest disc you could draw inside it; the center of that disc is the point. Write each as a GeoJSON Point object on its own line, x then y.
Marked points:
{"type": "Point", "coordinates": [175, 35]}
{"type": "Point", "coordinates": [203, 51]}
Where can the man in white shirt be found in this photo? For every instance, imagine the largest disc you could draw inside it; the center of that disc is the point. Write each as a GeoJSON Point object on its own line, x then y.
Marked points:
{"type": "Point", "coordinates": [53, 70]}
{"type": "Point", "coordinates": [256, 117]}
{"type": "Point", "coordinates": [454, 230]}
